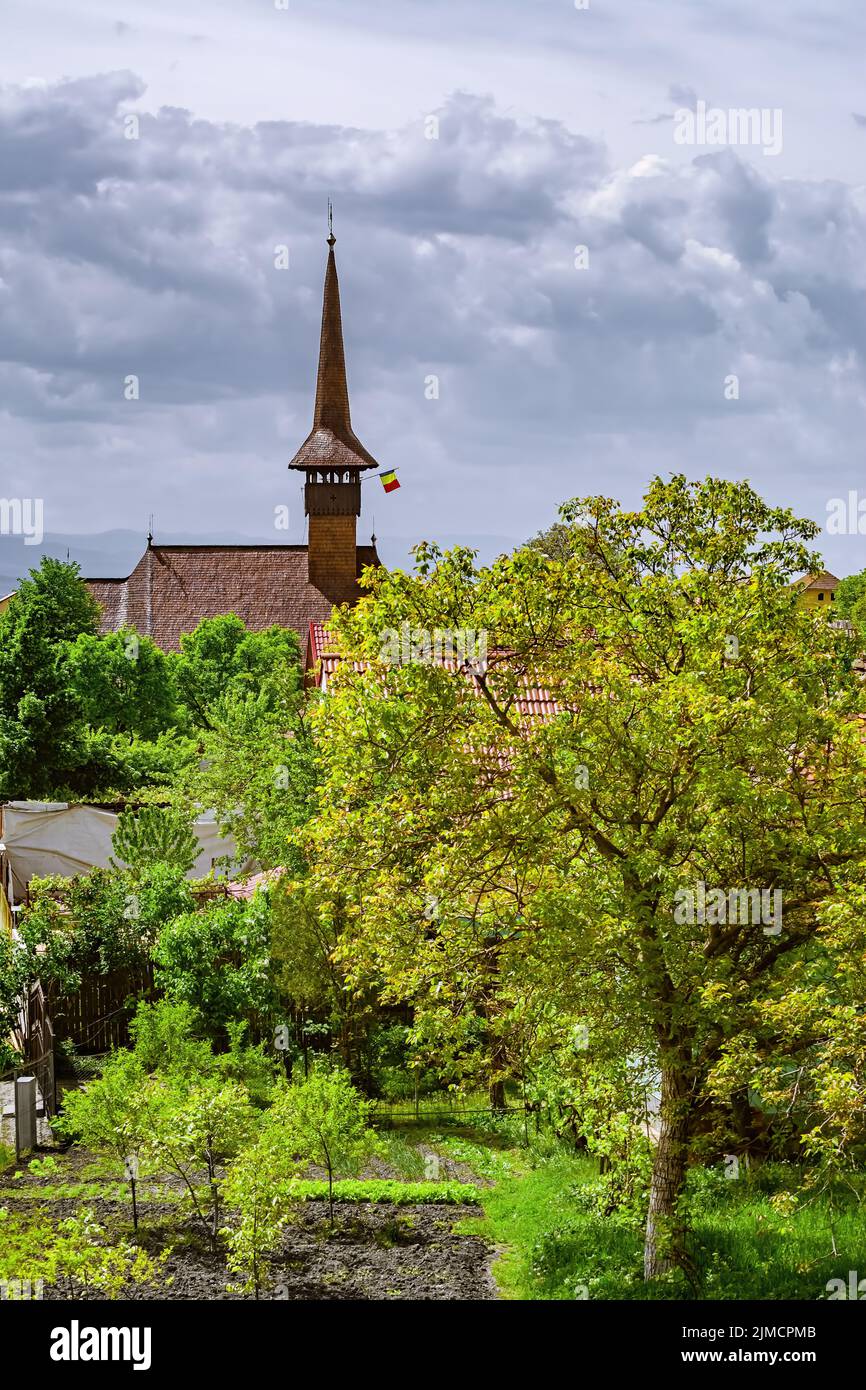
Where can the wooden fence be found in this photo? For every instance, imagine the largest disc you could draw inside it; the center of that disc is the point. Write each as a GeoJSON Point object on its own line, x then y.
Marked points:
{"type": "Point", "coordinates": [96, 1016]}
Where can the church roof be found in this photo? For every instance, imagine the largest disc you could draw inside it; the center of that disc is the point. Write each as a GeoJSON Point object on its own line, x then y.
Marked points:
{"type": "Point", "coordinates": [174, 586]}
{"type": "Point", "coordinates": [332, 443]}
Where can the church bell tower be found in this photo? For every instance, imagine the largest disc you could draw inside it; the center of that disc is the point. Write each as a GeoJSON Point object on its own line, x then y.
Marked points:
{"type": "Point", "coordinates": [332, 458]}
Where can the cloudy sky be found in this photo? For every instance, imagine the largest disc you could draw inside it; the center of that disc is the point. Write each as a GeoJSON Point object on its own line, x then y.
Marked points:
{"type": "Point", "coordinates": [559, 373]}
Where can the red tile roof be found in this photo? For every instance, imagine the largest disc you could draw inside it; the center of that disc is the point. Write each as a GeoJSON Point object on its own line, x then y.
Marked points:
{"type": "Point", "coordinates": [533, 701]}
{"type": "Point", "coordinates": [174, 586]}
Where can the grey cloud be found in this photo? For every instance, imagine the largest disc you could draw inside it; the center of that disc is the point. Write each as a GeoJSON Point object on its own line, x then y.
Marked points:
{"type": "Point", "coordinates": [456, 256]}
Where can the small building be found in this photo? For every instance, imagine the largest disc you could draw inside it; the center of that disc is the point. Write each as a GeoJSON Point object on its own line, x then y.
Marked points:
{"type": "Point", "coordinates": [817, 591]}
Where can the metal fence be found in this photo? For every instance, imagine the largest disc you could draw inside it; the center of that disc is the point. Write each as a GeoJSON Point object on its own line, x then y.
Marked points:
{"type": "Point", "coordinates": [448, 1115]}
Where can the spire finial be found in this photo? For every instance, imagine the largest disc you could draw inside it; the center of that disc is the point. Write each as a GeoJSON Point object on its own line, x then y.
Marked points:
{"type": "Point", "coordinates": [331, 237]}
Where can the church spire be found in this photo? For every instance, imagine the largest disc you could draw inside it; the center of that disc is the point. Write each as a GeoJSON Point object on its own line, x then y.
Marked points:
{"type": "Point", "coordinates": [332, 443]}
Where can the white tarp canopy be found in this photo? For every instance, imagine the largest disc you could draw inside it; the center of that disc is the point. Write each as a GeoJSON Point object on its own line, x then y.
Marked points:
{"type": "Point", "coordinates": [52, 837]}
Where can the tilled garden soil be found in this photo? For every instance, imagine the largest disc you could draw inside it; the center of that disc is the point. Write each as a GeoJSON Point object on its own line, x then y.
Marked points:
{"type": "Point", "coordinates": [380, 1251]}
{"type": "Point", "coordinates": [375, 1251]}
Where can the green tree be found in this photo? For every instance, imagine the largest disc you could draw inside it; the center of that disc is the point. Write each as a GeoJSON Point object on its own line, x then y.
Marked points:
{"type": "Point", "coordinates": [308, 977]}
{"type": "Point", "coordinates": [16, 967]}
{"type": "Point", "coordinates": [324, 1120]}
{"type": "Point", "coordinates": [199, 1129]}
{"type": "Point", "coordinates": [77, 716]}
{"type": "Point", "coordinates": [849, 593]}
{"type": "Point", "coordinates": [41, 718]}
{"type": "Point", "coordinates": [75, 1252]}
{"type": "Point", "coordinates": [123, 683]}
{"type": "Point", "coordinates": [166, 1037]}
{"type": "Point", "coordinates": [850, 602]}
{"type": "Point", "coordinates": [113, 1114]}
{"type": "Point", "coordinates": [554, 542]}
{"type": "Point", "coordinates": [217, 959]}
{"type": "Point", "coordinates": [155, 835]}
{"type": "Point", "coordinates": [222, 660]}
{"type": "Point", "coordinates": [106, 920]}
{"type": "Point", "coordinates": [183, 1116]}
{"type": "Point", "coordinates": [259, 1186]}
{"type": "Point", "coordinates": [700, 733]}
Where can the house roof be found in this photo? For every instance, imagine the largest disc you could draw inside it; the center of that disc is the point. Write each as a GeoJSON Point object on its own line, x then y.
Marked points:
{"type": "Point", "coordinates": [532, 702]}
{"type": "Point", "coordinates": [332, 443]}
{"type": "Point", "coordinates": [824, 580]}
{"type": "Point", "coordinates": [174, 586]}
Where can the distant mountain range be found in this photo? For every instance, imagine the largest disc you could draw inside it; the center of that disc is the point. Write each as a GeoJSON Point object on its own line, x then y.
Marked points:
{"type": "Point", "coordinates": [113, 554]}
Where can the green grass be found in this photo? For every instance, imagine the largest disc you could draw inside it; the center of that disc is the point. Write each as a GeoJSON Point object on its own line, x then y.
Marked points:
{"type": "Point", "coordinates": [402, 1156]}
{"type": "Point", "coordinates": [489, 1162]}
{"type": "Point", "coordinates": [87, 1191]}
{"type": "Point", "coordinates": [387, 1190]}
{"type": "Point", "coordinates": [761, 1239]}
{"type": "Point", "coordinates": [518, 1211]}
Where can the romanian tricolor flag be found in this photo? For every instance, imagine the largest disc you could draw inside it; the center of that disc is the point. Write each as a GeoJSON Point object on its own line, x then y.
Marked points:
{"type": "Point", "coordinates": [389, 481]}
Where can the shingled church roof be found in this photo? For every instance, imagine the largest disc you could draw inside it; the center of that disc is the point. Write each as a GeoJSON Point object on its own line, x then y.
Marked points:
{"type": "Point", "coordinates": [174, 586]}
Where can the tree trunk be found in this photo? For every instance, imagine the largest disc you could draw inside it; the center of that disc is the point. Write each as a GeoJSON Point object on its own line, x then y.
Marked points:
{"type": "Point", "coordinates": [663, 1245]}
{"type": "Point", "coordinates": [496, 1094]}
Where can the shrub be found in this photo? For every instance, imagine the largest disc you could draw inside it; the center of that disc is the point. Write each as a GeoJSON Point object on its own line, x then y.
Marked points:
{"type": "Point", "coordinates": [320, 1120]}
{"type": "Point", "coordinates": [217, 960]}
{"type": "Point", "coordinates": [198, 1129]}
{"type": "Point", "coordinates": [325, 1122]}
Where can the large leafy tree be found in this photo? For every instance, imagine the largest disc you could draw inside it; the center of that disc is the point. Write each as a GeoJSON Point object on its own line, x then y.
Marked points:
{"type": "Point", "coordinates": [122, 682]}
{"type": "Point", "coordinates": [217, 960]}
{"type": "Point", "coordinates": [259, 770]}
{"type": "Point", "coordinates": [41, 720]}
{"type": "Point", "coordinates": [80, 715]}
{"type": "Point", "coordinates": [851, 601]}
{"type": "Point", "coordinates": [700, 734]}
{"type": "Point", "coordinates": [222, 660]}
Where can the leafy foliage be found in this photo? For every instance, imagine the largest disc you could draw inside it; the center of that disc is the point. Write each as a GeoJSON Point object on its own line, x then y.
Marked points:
{"type": "Point", "coordinates": [705, 733]}
{"type": "Point", "coordinates": [106, 918]}
{"type": "Point", "coordinates": [123, 683]}
{"type": "Point", "coordinates": [84, 715]}
{"type": "Point", "coordinates": [155, 835]}
{"type": "Point", "coordinates": [319, 1120]}
{"type": "Point", "coordinates": [198, 1128]}
{"type": "Point", "coordinates": [41, 720]}
{"type": "Point", "coordinates": [217, 960]}
{"type": "Point", "coordinates": [324, 1120]}
{"type": "Point", "coordinates": [76, 1253]}
{"type": "Point", "coordinates": [259, 771]}
{"type": "Point", "coordinates": [222, 661]}
{"type": "Point", "coordinates": [113, 1114]}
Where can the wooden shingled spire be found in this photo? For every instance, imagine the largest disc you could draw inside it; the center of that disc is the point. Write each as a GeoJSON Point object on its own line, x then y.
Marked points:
{"type": "Point", "coordinates": [332, 443]}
